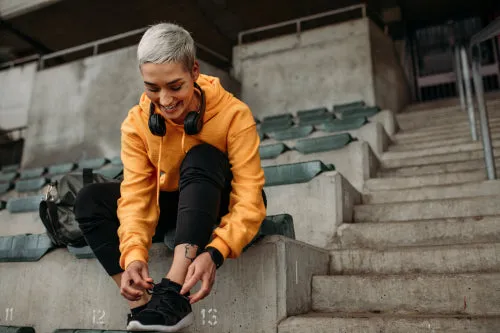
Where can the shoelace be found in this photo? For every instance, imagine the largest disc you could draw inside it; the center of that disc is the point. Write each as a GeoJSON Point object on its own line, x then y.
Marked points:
{"type": "Point", "coordinates": [163, 303]}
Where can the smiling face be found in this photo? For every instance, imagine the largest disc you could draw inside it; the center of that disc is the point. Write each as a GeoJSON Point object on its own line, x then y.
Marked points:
{"type": "Point", "coordinates": [170, 86]}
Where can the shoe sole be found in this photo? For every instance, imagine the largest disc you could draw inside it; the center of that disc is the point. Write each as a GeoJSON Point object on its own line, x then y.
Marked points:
{"type": "Point", "coordinates": [185, 322]}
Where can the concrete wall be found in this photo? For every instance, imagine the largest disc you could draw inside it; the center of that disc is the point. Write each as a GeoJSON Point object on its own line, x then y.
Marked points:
{"type": "Point", "coordinates": [16, 86]}
{"type": "Point", "coordinates": [77, 108]}
{"type": "Point", "coordinates": [390, 84]}
{"type": "Point", "coordinates": [320, 67]}
{"type": "Point", "coordinates": [11, 8]}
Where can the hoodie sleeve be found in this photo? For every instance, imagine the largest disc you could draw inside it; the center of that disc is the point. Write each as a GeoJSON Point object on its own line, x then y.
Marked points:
{"type": "Point", "coordinates": [246, 205]}
{"type": "Point", "coordinates": [137, 211]}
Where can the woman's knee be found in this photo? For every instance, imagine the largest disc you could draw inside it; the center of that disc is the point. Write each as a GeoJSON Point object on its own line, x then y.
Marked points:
{"type": "Point", "coordinates": [92, 199]}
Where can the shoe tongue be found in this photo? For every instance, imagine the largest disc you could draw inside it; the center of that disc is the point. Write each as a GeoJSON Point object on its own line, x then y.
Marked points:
{"type": "Point", "coordinates": [171, 284]}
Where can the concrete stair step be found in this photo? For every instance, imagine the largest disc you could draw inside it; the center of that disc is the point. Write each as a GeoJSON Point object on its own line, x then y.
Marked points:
{"type": "Point", "coordinates": [382, 323]}
{"type": "Point", "coordinates": [460, 125]}
{"type": "Point", "coordinates": [472, 294]}
{"type": "Point", "coordinates": [433, 138]}
{"type": "Point", "coordinates": [464, 147]}
{"type": "Point", "coordinates": [388, 163]}
{"type": "Point", "coordinates": [426, 210]}
{"type": "Point", "coordinates": [488, 187]}
{"type": "Point", "coordinates": [433, 169]}
{"type": "Point", "coordinates": [452, 231]}
{"type": "Point", "coordinates": [457, 259]}
{"type": "Point", "coordinates": [395, 183]}
{"type": "Point", "coordinates": [432, 144]}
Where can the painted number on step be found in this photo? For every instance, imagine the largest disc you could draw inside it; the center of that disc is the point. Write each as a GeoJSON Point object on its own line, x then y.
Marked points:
{"type": "Point", "coordinates": [98, 317]}
{"type": "Point", "coordinates": [209, 317]}
{"type": "Point", "coordinates": [9, 313]}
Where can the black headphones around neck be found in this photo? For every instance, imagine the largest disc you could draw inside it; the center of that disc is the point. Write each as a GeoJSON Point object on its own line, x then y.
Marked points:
{"type": "Point", "coordinates": [192, 123]}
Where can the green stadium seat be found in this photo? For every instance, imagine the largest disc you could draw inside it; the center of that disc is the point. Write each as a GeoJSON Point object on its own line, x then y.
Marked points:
{"type": "Point", "coordinates": [311, 113]}
{"type": "Point", "coordinates": [5, 187]}
{"type": "Point", "coordinates": [316, 120]}
{"type": "Point", "coordinates": [8, 177]}
{"type": "Point", "coordinates": [281, 224]}
{"type": "Point", "coordinates": [81, 252]}
{"type": "Point", "coordinates": [348, 106]}
{"type": "Point", "coordinates": [278, 118]}
{"type": "Point", "coordinates": [262, 135]}
{"type": "Point", "coordinates": [28, 185]}
{"type": "Point", "coordinates": [32, 173]}
{"type": "Point", "coordinates": [272, 151]}
{"type": "Point", "coordinates": [294, 173]}
{"type": "Point", "coordinates": [15, 329]}
{"type": "Point", "coordinates": [60, 169]}
{"type": "Point", "coordinates": [292, 133]}
{"type": "Point", "coordinates": [3, 204]}
{"type": "Point", "coordinates": [10, 168]}
{"type": "Point", "coordinates": [365, 112]}
{"type": "Point", "coordinates": [23, 248]}
{"type": "Point", "coordinates": [117, 160]}
{"type": "Point", "coordinates": [111, 172]}
{"type": "Point", "coordinates": [273, 126]}
{"type": "Point", "coordinates": [21, 205]}
{"type": "Point", "coordinates": [324, 143]}
{"type": "Point", "coordinates": [93, 163]}
{"type": "Point", "coordinates": [339, 125]}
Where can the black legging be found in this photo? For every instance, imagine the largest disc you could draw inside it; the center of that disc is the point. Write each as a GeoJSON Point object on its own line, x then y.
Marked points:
{"type": "Point", "coordinates": [202, 199]}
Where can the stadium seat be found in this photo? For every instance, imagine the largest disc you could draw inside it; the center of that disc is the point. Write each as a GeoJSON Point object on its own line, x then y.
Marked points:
{"type": "Point", "coordinates": [339, 125]}
{"type": "Point", "coordinates": [276, 125]}
{"type": "Point", "coordinates": [117, 160]}
{"type": "Point", "coordinates": [294, 173]}
{"type": "Point", "coordinates": [81, 252]}
{"type": "Point", "coordinates": [5, 187]}
{"type": "Point", "coordinates": [324, 143]}
{"type": "Point", "coordinates": [10, 168]}
{"type": "Point", "coordinates": [28, 185]}
{"type": "Point", "coordinates": [111, 172]}
{"type": "Point", "coordinates": [93, 163]}
{"type": "Point", "coordinates": [8, 177]}
{"type": "Point", "coordinates": [14, 329]}
{"type": "Point", "coordinates": [292, 133]}
{"type": "Point", "coordinates": [22, 248]}
{"type": "Point", "coordinates": [278, 118]}
{"type": "Point", "coordinates": [21, 205]}
{"type": "Point", "coordinates": [348, 106]}
{"type": "Point", "coordinates": [32, 173]}
{"type": "Point", "coordinates": [3, 204]}
{"type": "Point", "coordinates": [303, 114]}
{"type": "Point", "coordinates": [272, 151]}
{"type": "Point", "coordinates": [281, 224]}
{"type": "Point", "coordinates": [364, 112]}
{"type": "Point", "coordinates": [317, 119]}
{"type": "Point", "coordinates": [60, 169]}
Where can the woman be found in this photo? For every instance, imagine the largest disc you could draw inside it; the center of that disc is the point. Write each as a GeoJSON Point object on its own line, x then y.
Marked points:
{"type": "Point", "coordinates": [190, 152]}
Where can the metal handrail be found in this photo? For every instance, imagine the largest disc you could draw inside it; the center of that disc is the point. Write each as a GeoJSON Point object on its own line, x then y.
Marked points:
{"type": "Point", "coordinates": [95, 45]}
{"type": "Point", "coordinates": [299, 20]}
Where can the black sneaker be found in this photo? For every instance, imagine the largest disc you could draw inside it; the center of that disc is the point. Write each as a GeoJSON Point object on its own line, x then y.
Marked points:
{"type": "Point", "coordinates": [167, 311]}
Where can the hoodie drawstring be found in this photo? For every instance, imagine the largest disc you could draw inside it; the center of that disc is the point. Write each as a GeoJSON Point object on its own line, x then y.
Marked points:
{"type": "Point", "coordinates": [158, 176]}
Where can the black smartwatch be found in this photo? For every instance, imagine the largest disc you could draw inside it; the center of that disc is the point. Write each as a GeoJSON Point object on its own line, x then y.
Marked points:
{"type": "Point", "coordinates": [217, 257]}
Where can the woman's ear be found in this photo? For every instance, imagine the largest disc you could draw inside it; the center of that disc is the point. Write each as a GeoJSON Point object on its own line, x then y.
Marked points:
{"type": "Point", "coordinates": [195, 73]}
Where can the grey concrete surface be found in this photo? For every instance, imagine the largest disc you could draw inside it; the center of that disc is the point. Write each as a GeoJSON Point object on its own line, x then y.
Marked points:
{"type": "Point", "coordinates": [430, 209]}
{"type": "Point", "coordinates": [489, 187]}
{"type": "Point", "coordinates": [455, 259]}
{"type": "Point", "coordinates": [13, 8]}
{"type": "Point", "coordinates": [433, 159]}
{"type": "Point", "coordinates": [320, 67]}
{"type": "Point", "coordinates": [395, 183]}
{"type": "Point", "coordinates": [462, 126]}
{"type": "Point", "coordinates": [435, 232]}
{"type": "Point", "coordinates": [390, 84]}
{"type": "Point", "coordinates": [472, 294]}
{"type": "Point", "coordinates": [20, 223]}
{"type": "Point", "coordinates": [77, 108]}
{"type": "Point", "coordinates": [432, 144]}
{"type": "Point", "coordinates": [15, 94]}
{"type": "Point", "coordinates": [374, 323]}
{"type": "Point", "coordinates": [441, 132]}
{"type": "Point", "coordinates": [318, 207]}
{"type": "Point", "coordinates": [269, 282]}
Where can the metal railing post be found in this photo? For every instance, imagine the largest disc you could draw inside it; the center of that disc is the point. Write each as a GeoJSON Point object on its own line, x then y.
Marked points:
{"type": "Point", "coordinates": [460, 81]}
{"type": "Point", "coordinates": [483, 116]}
{"type": "Point", "coordinates": [468, 94]}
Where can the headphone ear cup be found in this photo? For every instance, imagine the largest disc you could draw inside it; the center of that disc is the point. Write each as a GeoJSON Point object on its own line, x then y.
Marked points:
{"type": "Point", "coordinates": [157, 125]}
{"type": "Point", "coordinates": [192, 123]}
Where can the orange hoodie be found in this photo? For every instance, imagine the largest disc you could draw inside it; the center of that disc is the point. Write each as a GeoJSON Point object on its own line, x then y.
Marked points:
{"type": "Point", "coordinates": [228, 125]}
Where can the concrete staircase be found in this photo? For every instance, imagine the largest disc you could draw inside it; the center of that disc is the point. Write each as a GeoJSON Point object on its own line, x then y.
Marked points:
{"type": "Point", "coordinates": [422, 252]}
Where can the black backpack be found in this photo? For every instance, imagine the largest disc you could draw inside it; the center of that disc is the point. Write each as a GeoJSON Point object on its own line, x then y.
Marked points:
{"type": "Point", "coordinates": [56, 208]}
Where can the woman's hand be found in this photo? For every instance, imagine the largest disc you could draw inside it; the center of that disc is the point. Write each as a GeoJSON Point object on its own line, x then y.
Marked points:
{"type": "Point", "coordinates": [202, 268]}
{"type": "Point", "coordinates": [135, 280]}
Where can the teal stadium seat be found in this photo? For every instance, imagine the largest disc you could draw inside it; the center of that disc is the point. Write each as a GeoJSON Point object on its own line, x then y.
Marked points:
{"type": "Point", "coordinates": [60, 169]}
{"type": "Point", "coordinates": [341, 108]}
{"type": "Point", "coordinates": [339, 125]}
{"type": "Point", "coordinates": [303, 114]}
{"type": "Point", "coordinates": [364, 112]}
{"type": "Point", "coordinates": [117, 160]}
{"type": "Point", "coordinates": [32, 173]}
{"type": "Point", "coordinates": [272, 151]}
{"type": "Point", "coordinates": [292, 133]}
{"type": "Point", "coordinates": [8, 176]}
{"type": "Point", "coordinates": [22, 205]}
{"type": "Point", "coordinates": [324, 143]}
{"type": "Point", "coordinates": [281, 224]}
{"type": "Point", "coordinates": [29, 185]}
{"type": "Point", "coordinates": [314, 116]}
{"type": "Point", "coordinates": [10, 168]}
{"type": "Point", "coordinates": [23, 248]}
{"type": "Point", "coordinates": [15, 329]}
{"type": "Point", "coordinates": [293, 173]}
{"type": "Point", "coordinates": [6, 187]}
{"type": "Point", "coordinates": [93, 163]}
{"type": "Point", "coordinates": [111, 172]}
{"type": "Point", "coordinates": [84, 252]}
{"type": "Point", "coordinates": [276, 123]}
{"type": "Point", "coordinates": [3, 204]}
